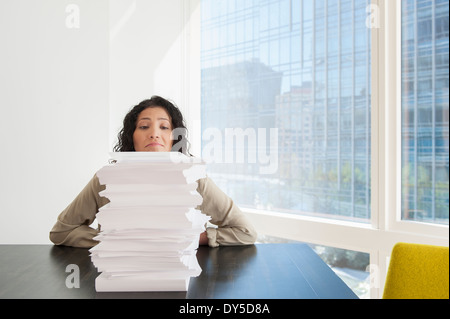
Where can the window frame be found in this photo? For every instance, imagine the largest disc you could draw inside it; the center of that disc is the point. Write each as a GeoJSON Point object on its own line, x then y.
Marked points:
{"type": "Point", "coordinates": [385, 228]}
{"type": "Point", "coordinates": [393, 120]}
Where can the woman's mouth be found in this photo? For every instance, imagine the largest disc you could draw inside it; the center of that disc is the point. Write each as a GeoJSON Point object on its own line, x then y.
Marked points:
{"type": "Point", "coordinates": [153, 144]}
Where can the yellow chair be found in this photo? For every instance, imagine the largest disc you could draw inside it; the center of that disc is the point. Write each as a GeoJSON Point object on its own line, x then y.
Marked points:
{"type": "Point", "coordinates": [417, 272]}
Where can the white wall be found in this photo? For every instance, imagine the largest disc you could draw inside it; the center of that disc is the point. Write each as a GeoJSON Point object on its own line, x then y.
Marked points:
{"type": "Point", "coordinates": [64, 92]}
{"type": "Point", "coordinates": [150, 56]}
{"type": "Point", "coordinates": [142, 34]}
{"type": "Point", "coordinates": [54, 110]}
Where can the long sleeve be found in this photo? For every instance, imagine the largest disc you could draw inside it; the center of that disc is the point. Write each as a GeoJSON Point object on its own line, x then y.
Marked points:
{"type": "Point", "coordinates": [72, 226]}
{"type": "Point", "coordinates": [233, 227]}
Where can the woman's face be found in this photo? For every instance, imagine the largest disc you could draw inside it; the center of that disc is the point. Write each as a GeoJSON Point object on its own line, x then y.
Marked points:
{"type": "Point", "coordinates": [153, 131]}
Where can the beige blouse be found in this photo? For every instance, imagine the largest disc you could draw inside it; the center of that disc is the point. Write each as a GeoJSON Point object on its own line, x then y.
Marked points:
{"type": "Point", "coordinates": [72, 226]}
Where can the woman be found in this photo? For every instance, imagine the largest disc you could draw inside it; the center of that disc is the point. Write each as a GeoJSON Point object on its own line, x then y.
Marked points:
{"type": "Point", "coordinates": [148, 127]}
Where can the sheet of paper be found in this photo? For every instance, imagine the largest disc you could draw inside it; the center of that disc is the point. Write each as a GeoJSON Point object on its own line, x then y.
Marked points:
{"type": "Point", "coordinates": [103, 283]}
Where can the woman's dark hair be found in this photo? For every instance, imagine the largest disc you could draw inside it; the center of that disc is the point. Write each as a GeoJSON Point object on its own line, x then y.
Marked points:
{"type": "Point", "coordinates": [125, 136]}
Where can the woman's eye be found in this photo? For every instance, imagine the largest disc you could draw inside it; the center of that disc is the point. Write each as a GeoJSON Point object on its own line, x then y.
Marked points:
{"type": "Point", "coordinates": [143, 127]}
{"type": "Point", "coordinates": [164, 128]}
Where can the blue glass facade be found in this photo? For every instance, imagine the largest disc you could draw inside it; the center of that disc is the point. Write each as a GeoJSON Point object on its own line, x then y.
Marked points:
{"type": "Point", "coordinates": [303, 67]}
{"type": "Point", "coordinates": [425, 149]}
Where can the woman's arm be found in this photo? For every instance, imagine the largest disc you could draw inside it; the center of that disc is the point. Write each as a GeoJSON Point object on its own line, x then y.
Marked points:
{"type": "Point", "coordinates": [233, 227]}
{"type": "Point", "coordinates": [72, 226]}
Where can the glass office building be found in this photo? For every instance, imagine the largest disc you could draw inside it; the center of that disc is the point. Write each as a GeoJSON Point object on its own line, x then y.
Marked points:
{"type": "Point", "coordinates": [304, 68]}
{"type": "Point", "coordinates": [425, 99]}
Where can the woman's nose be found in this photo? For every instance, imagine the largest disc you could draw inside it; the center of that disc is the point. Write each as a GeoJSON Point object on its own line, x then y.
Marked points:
{"type": "Point", "coordinates": [153, 133]}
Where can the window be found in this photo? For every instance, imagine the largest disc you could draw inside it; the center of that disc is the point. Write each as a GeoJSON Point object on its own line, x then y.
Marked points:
{"type": "Point", "coordinates": [303, 67]}
{"type": "Point", "coordinates": [357, 91]}
{"type": "Point", "coordinates": [425, 146]}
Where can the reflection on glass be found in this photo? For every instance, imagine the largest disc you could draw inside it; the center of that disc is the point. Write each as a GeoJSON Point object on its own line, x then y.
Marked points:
{"type": "Point", "coordinates": [425, 189]}
{"type": "Point", "coordinates": [302, 67]}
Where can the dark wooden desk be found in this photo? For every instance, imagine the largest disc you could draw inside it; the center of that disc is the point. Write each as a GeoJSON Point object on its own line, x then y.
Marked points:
{"type": "Point", "coordinates": [262, 271]}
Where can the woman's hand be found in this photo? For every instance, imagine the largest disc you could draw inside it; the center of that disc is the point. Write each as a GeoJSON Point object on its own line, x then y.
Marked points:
{"type": "Point", "coordinates": [203, 239]}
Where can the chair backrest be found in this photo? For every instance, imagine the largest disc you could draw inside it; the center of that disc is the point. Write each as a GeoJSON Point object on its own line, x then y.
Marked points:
{"type": "Point", "coordinates": [417, 272]}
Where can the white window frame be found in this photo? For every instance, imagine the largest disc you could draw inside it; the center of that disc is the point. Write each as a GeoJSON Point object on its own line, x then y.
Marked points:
{"type": "Point", "coordinates": [393, 128]}
{"type": "Point", "coordinates": [386, 228]}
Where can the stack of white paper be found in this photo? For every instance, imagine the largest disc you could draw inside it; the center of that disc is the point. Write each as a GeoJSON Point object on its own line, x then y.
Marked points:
{"type": "Point", "coordinates": [150, 229]}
